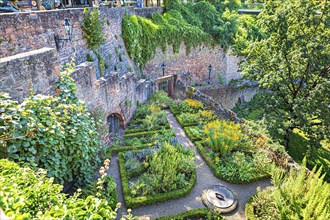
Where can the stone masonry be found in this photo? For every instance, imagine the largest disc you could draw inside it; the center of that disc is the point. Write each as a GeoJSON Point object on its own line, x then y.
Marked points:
{"type": "Point", "coordinates": [37, 70]}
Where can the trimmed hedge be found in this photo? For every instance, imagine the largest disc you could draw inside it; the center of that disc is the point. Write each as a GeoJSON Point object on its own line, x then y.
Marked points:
{"type": "Point", "coordinates": [183, 124]}
{"type": "Point", "coordinates": [138, 130]}
{"type": "Point", "coordinates": [111, 150]}
{"type": "Point", "coordinates": [190, 135]}
{"type": "Point", "coordinates": [144, 133]}
{"type": "Point", "coordinates": [147, 200]}
{"type": "Point", "coordinates": [214, 168]}
{"type": "Point", "coordinates": [200, 213]}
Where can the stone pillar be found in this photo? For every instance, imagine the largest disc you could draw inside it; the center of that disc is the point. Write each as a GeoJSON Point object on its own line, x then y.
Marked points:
{"type": "Point", "coordinates": [171, 88]}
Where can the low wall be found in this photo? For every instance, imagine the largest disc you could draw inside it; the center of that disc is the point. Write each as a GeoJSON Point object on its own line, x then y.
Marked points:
{"type": "Point", "coordinates": [228, 96]}
{"type": "Point", "coordinates": [182, 92]}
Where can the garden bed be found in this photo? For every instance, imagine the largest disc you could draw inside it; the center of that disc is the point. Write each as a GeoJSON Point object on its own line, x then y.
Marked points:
{"type": "Point", "coordinates": [194, 133]}
{"type": "Point", "coordinates": [219, 173]}
{"type": "Point", "coordinates": [161, 167]}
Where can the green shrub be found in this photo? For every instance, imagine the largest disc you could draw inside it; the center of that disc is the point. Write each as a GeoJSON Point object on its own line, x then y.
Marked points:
{"type": "Point", "coordinates": [108, 193]}
{"type": "Point", "coordinates": [54, 133]}
{"type": "Point", "coordinates": [241, 167]}
{"type": "Point", "coordinates": [26, 194]}
{"type": "Point", "coordinates": [222, 137]}
{"type": "Point", "coordinates": [142, 36]}
{"type": "Point", "coordinates": [160, 99]}
{"type": "Point", "coordinates": [92, 26]}
{"type": "Point", "coordinates": [297, 195]}
{"type": "Point", "coordinates": [188, 119]}
{"type": "Point", "coordinates": [201, 213]}
{"type": "Point", "coordinates": [158, 197]}
{"type": "Point", "coordinates": [195, 133]}
{"type": "Point", "coordinates": [168, 169]}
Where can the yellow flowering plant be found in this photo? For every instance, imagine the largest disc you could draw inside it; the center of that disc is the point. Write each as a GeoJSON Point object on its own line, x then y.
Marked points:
{"type": "Point", "coordinates": [207, 115]}
{"type": "Point", "coordinates": [222, 137]}
{"type": "Point", "coordinates": [194, 104]}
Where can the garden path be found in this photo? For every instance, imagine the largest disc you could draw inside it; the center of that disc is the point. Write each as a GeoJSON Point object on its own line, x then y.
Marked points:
{"type": "Point", "coordinates": [205, 179]}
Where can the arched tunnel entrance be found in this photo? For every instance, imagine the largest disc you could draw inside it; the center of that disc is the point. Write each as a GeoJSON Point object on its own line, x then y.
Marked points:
{"type": "Point", "coordinates": [115, 122]}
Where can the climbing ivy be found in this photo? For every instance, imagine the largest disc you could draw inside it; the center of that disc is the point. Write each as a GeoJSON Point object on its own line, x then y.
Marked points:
{"type": "Point", "coordinates": [52, 132]}
{"type": "Point", "coordinates": [192, 24]}
{"type": "Point", "coordinates": [92, 26]}
{"type": "Point", "coordinates": [142, 36]}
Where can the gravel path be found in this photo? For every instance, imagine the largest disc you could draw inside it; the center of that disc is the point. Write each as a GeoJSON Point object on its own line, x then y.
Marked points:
{"type": "Point", "coordinates": [205, 179]}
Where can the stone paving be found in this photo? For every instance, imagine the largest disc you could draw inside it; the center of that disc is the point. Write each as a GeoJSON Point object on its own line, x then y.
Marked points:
{"type": "Point", "coordinates": [205, 179]}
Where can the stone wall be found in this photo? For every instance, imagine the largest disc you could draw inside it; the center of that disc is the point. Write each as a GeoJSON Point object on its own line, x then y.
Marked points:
{"type": "Point", "coordinates": [228, 96]}
{"type": "Point", "coordinates": [196, 62]}
{"type": "Point", "coordinates": [37, 70]}
{"type": "Point", "coordinates": [232, 71]}
{"type": "Point", "coordinates": [28, 31]}
{"type": "Point", "coordinates": [182, 92]}
{"type": "Point", "coordinates": [115, 95]}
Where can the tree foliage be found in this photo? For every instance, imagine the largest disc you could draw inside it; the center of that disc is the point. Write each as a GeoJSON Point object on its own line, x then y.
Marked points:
{"type": "Point", "coordinates": [292, 62]}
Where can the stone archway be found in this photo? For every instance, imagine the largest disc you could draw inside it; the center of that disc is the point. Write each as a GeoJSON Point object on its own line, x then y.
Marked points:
{"type": "Point", "coordinates": [170, 81]}
{"type": "Point", "coordinates": [115, 122]}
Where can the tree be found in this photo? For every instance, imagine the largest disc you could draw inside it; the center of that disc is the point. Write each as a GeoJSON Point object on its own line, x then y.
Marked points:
{"type": "Point", "coordinates": [292, 63]}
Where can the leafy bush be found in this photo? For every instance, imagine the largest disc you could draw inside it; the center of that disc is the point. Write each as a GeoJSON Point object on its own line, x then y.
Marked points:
{"type": "Point", "coordinates": [195, 133]}
{"type": "Point", "coordinates": [207, 115]}
{"type": "Point", "coordinates": [241, 167]}
{"type": "Point", "coordinates": [104, 188]}
{"type": "Point", "coordinates": [179, 107]}
{"type": "Point", "coordinates": [194, 104]}
{"type": "Point", "coordinates": [169, 169]}
{"type": "Point", "coordinates": [92, 26]}
{"type": "Point", "coordinates": [26, 194]}
{"type": "Point", "coordinates": [188, 119]}
{"type": "Point", "coordinates": [160, 99]}
{"type": "Point", "coordinates": [222, 137]}
{"type": "Point", "coordinates": [298, 195]}
{"type": "Point", "coordinates": [54, 133]}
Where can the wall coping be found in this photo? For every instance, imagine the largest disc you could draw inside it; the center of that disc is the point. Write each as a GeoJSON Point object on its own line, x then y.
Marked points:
{"type": "Point", "coordinates": [26, 54]}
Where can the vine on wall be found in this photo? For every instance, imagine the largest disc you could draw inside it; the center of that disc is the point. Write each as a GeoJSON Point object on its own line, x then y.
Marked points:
{"type": "Point", "coordinates": [192, 24]}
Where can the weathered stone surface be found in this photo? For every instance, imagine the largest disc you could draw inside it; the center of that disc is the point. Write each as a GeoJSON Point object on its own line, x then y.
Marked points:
{"type": "Point", "coordinates": [23, 71]}
{"type": "Point", "coordinates": [228, 96]}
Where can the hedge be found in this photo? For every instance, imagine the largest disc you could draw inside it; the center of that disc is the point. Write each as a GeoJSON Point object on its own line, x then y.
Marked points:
{"type": "Point", "coordinates": [190, 135]}
{"type": "Point", "coordinates": [111, 150]}
{"type": "Point", "coordinates": [200, 213]}
{"type": "Point", "coordinates": [138, 130]}
{"type": "Point", "coordinates": [215, 170]}
{"type": "Point", "coordinates": [144, 133]}
{"type": "Point", "coordinates": [151, 199]}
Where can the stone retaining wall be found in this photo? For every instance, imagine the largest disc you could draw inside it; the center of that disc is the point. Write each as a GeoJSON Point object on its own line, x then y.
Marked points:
{"type": "Point", "coordinates": [228, 96]}
{"type": "Point", "coordinates": [37, 70]}
{"type": "Point", "coordinates": [182, 92]}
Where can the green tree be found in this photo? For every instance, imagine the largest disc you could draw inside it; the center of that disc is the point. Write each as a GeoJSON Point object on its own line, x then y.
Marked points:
{"type": "Point", "coordinates": [292, 63]}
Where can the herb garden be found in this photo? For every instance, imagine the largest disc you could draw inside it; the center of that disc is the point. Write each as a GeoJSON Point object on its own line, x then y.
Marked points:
{"type": "Point", "coordinates": [54, 164]}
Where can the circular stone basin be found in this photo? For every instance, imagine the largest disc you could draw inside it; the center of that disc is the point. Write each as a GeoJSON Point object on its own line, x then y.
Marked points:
{"type": "Point", "coordinates": [220, 198]}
